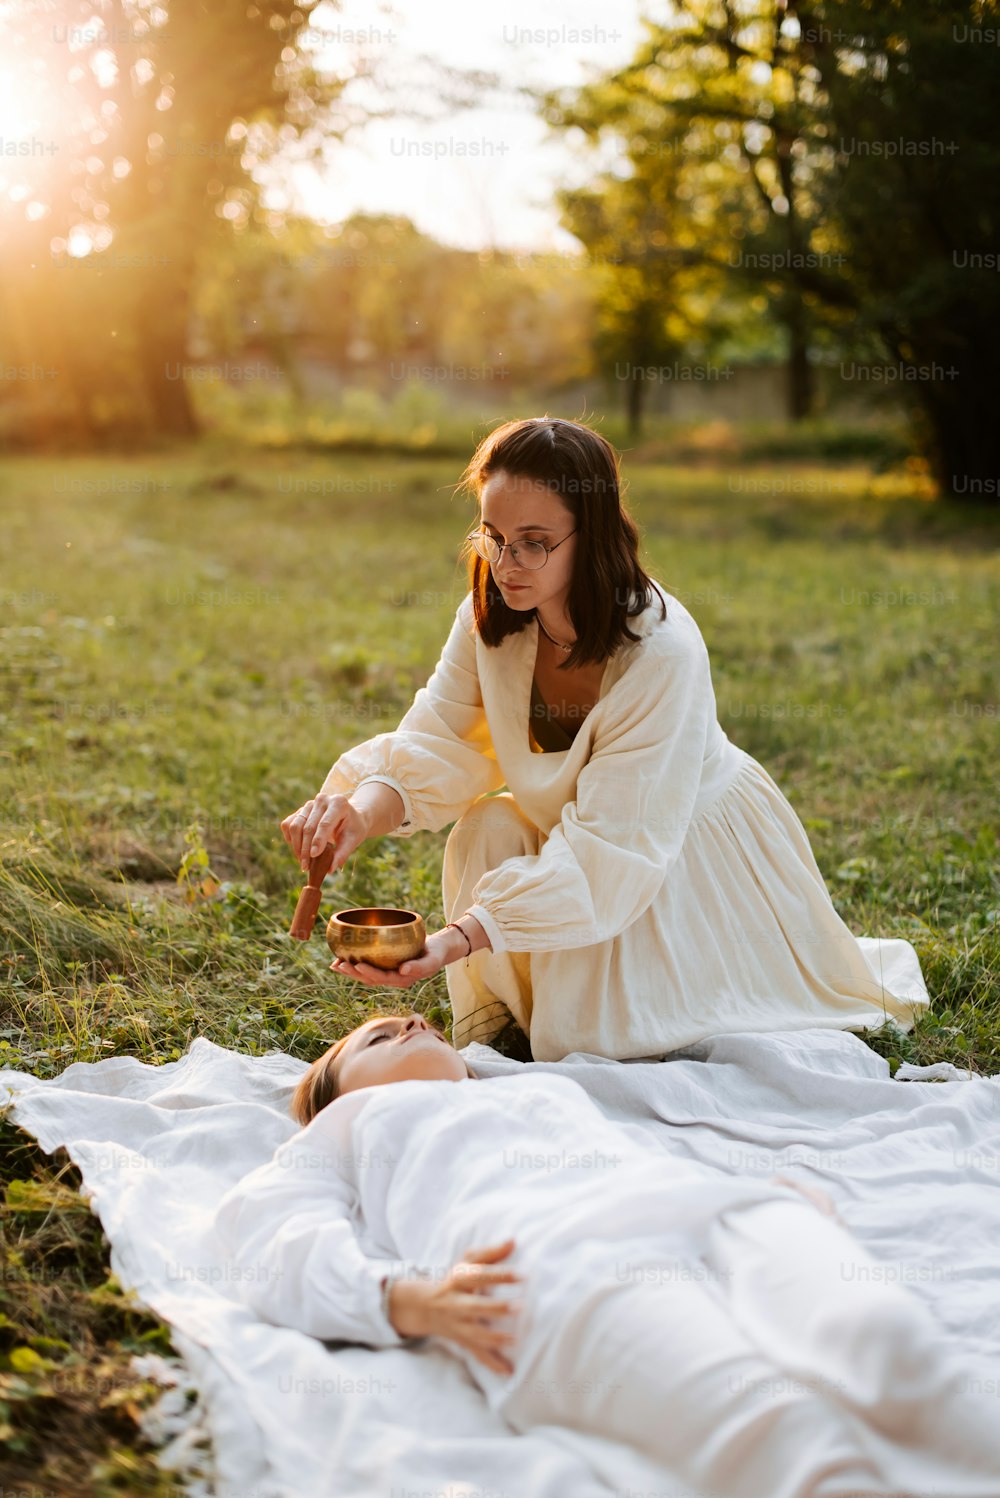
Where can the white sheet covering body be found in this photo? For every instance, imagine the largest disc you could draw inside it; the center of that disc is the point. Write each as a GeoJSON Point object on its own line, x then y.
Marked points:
{"type": "Point", "coordinates": [672, 892]}
{"type": "Point", "coordinates": [428, 1170]}
{"type": "Point", "coordinates": [911, 1164]}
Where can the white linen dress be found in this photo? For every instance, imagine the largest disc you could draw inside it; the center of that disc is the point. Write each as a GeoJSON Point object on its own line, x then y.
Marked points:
{"type": "Point", "coordinates": [645, 887]}
{"type": "Point", "coordinates": [719, 1324]}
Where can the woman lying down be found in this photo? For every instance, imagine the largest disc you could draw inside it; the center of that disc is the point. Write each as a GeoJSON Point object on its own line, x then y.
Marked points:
{"type": "Point", "coordinates": [586, 1278]}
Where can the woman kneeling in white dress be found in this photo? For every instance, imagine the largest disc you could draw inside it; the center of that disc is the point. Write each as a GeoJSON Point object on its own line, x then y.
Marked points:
{"type": "Point", "coordinates": [642, 882]}
{"type": "Point", "coordinates": [717, 1324]}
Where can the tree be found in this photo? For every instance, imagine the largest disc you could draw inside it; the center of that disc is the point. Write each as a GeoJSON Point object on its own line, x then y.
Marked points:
{"type": "Point", "coordinates": [375, 301]}
{"type": "Point", "coordinates": [640, 323]}
{"type": "Point", "coordinates": [914, 187]}
{"type": "Point", "coordinates": [710, 125]}
{"type": "Point", "coordinates": [151, 124]}
{"type": "Point", "coordinates": [849, 151]}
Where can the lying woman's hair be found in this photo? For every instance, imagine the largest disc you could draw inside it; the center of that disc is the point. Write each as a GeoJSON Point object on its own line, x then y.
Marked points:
{"type": "Point", "coordinates": [608, 586]}
{"type": "Point", "coordinates": [320, 1084]}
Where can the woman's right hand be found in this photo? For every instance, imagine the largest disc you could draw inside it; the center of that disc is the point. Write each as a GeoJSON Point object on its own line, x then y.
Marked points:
{"type": "Point", "coordinates": [458, 1306]}
{"type": "Point", "coordinates": [325, 819]}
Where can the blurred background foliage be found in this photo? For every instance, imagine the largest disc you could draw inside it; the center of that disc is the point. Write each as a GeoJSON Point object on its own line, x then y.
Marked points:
{"type": "Point", "coordinates": [779, 192]}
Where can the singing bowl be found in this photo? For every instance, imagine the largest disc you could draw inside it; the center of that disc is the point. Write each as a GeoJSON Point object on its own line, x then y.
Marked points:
{"type": "Point", "coordinates": [376, 934]}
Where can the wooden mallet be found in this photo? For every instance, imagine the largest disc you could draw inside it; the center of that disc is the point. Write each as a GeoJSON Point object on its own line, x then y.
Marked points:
{"type": "Point", "coordinates": [307, 909]}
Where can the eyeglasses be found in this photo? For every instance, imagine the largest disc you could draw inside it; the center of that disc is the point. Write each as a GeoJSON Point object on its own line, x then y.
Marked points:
{"type": "Point", "coordinates": [529, 554]}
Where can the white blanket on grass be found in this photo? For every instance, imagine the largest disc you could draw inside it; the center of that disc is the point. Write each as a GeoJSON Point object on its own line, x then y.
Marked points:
{"type": "Point", "coordinates": [911, 1162]}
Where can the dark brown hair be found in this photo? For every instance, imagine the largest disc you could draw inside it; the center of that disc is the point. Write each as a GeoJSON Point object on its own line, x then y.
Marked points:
{"type": "Point", "coordinates": [608, 586]}
{"type": "Point", "coordinates": [320, 1084]}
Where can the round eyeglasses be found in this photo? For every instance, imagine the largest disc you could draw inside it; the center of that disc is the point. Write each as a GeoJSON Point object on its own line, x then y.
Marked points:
{"type": "Point", "coordinates": [529, 554]}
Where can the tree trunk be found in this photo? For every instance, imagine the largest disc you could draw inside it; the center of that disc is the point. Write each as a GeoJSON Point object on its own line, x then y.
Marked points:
{"type": "Point", "coordinates": [162, 357]}
{"type": "Point", "coordinates": [800, 387]}
{"type": "Point", "coordinates": [961, 436]}
{"type": "Point", "coordinates": [634, 406]}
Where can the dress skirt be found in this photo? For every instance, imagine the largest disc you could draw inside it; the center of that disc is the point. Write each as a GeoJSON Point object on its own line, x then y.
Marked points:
{"type": "Point", "coordinates": [742, 936]}
{"type": "Point", "coordinates": [770, 1359]}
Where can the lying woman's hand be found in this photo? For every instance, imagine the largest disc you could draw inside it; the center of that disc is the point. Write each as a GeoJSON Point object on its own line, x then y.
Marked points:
{"type": "Point", "coordinates": [437, 952]}
{"type": "Point", "coordinates": [459, 1306]}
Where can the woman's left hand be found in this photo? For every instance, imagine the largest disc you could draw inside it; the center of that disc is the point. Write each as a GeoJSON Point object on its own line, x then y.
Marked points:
{"type": "Point", "coordinates": [414, 970]}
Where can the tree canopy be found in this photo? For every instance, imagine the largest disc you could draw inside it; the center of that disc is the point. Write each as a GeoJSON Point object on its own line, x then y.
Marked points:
{"type": "Point", "coordinates": [845, 156]}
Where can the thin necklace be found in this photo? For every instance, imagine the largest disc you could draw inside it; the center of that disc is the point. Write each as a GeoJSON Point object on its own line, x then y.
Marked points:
{"type": "Point", "coordinates": [548, 636]}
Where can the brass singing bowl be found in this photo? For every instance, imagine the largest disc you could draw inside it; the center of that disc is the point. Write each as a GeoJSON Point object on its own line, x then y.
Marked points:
{"type": "Point", "coordinates": [377, 934]}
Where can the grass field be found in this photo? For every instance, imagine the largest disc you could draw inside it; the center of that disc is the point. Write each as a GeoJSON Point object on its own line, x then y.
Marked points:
{"type": "Point", "coordinates": [188, 643]}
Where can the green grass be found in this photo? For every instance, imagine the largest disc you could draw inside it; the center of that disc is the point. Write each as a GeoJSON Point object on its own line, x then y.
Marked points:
{"type": "Point", "coordinates": [189, 640]}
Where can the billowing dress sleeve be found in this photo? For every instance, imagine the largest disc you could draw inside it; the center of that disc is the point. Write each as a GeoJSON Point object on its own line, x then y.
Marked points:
{"type": "Point", "coordinates": [441, 757]}
{"type": "Point", "coordinates": [605, 860]}
{"type": "Point", "coordinates": [289, 1229]}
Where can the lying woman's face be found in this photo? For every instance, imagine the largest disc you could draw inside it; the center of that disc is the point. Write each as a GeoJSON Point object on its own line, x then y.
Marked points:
{"type": "Point", "coordinates": [397, 1050]}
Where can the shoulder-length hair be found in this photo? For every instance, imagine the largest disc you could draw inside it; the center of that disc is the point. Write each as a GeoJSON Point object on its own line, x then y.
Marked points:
{"type": "Point", "coordinates": [608, 586]}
